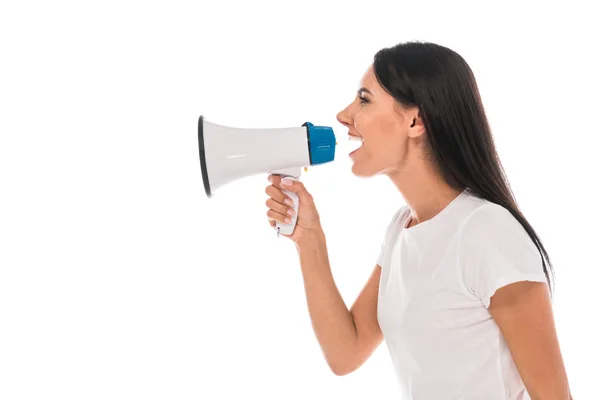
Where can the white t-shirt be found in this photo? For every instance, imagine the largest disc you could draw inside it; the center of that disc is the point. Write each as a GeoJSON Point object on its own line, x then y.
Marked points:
{"type": "Point", "coordinates": [436, 282]}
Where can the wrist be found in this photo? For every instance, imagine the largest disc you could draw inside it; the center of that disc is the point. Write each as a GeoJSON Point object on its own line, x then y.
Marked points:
{"type": "Point", "coordinates": [311, 239]}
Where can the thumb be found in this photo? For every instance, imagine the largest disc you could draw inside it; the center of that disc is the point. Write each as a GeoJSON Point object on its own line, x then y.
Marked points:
{"type": "Point", "coordinates": [297, 187]}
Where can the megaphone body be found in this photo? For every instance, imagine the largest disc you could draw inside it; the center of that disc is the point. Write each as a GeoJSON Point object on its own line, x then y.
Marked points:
{"type": "Point", "coordinates": [228, 154]}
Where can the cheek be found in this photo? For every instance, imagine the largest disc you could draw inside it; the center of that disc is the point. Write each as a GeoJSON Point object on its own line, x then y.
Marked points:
{"type": "Point", "coordinates": [369, 125]}
{"type": "Point", "coordinates": [378, 129]}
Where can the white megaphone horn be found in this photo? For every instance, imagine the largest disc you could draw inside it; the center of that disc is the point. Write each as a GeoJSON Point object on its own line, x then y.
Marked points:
{"type": "Point", "coordinates": [228, 154]}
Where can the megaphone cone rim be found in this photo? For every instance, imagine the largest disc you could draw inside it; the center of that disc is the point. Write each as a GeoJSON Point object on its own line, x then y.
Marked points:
{"type": "Point", "coordinates": [203, 156]}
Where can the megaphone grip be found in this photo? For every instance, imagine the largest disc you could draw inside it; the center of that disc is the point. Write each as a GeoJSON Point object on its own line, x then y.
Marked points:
{"type": "Point", "coordinates": [288, 229]}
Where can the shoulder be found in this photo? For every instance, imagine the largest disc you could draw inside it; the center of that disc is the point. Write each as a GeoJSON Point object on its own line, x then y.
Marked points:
{"type": "Point", "coordinates": [398, 219]}
{"type": "Point", "coordinates": [496, 250]}
{"type": "Point", "coordinates": [492, 238]}
{"type": "Point", "coordinates": [395, 226]}
{"type": "Point", "coordinates": [491, 221]}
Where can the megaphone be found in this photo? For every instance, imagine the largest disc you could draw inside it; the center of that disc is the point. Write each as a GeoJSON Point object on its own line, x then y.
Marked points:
{"type": "Point", "coordinates": [228, 154]}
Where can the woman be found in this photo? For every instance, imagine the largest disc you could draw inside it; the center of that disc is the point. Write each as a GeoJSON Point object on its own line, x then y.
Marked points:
{"type": "Point", "coordinates": [461, 288]}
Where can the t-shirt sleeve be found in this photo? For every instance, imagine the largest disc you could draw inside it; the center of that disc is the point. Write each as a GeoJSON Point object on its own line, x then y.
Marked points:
{"type": "Point", "coordinates": [495, 250]}
{"type": "Point", "coordinates": [391, 232]}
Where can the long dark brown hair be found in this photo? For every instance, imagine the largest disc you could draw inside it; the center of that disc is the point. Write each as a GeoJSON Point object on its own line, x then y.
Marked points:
{"type": "Point", "coordinates": [441, 84]}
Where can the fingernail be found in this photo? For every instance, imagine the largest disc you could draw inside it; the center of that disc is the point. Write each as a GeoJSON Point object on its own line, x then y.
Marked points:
{"type": "Point", "coordinates": [286, 182]}
{"type": "Point", "coordinates": [288, 220]}
{"type": "Point", "coordinates": [290, 212]}
{"type": "Point", "coordinates": [289, 202]}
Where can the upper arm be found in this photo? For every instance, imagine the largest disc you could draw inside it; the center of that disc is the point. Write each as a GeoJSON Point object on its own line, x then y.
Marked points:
{"type": "Point", "coordinates": [364, 315]}
{"type": "Point", "coordinates": [364, 309]}
{"type": "Point", "coordinates": [523, 312]}
{"type": "Point", "coordinates": [504, 269]}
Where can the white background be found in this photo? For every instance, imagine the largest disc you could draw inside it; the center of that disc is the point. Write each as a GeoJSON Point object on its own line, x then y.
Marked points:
{"type": "Point", "coordinates": [119, 279]}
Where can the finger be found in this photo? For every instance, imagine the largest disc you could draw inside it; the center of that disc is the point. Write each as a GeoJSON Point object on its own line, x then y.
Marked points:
{"type": "Point", "coordinates": [278, 195]}
{"type": "Point", "coordinates": [274, 215]}
{"type": "Point", "coordinates": [275, 179]}
{"type": "Point", "coordinates": [280, 208]}
{"type": "Point", "coordinates": [297, 187]}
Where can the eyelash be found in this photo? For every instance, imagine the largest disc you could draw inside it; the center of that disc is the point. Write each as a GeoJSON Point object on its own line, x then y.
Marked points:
{"type": "Point", "coordinates": [363, 100]}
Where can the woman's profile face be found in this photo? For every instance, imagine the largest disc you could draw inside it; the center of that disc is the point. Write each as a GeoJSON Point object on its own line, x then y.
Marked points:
{"type": "Point", "coordinates": [380, 123]}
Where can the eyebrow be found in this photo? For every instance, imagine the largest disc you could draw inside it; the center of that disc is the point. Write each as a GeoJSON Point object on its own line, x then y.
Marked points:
{"type": "Point", "coordinates": [364, 90]}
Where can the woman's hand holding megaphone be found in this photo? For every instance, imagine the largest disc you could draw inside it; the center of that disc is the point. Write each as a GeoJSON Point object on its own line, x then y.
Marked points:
{"type": "Point", "coordinates": [281, 208]}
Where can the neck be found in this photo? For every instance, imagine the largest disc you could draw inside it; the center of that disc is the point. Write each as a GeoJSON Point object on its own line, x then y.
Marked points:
{"type": "Point", "coordinates": [425, 191]}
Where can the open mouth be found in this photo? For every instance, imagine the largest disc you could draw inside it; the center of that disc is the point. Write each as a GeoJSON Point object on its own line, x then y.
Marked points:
{"type": "Point", "coordinates": [355, 142]}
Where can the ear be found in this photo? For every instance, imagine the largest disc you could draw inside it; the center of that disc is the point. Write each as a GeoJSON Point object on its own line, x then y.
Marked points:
{"type": "Point", "coordinates": [417, 128]}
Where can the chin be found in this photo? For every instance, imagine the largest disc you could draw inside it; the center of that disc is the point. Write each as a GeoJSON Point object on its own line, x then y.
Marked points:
{"type": "Point", "coordinates": [362, 171]}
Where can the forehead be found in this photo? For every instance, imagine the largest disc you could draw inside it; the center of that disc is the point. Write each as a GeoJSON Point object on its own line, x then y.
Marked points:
{"type": "Point", "coordinates": [368, 79]}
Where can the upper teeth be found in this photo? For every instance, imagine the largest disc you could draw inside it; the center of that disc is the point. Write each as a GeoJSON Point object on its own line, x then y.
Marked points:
{"type": "Point", "coordinates": [352, 137]}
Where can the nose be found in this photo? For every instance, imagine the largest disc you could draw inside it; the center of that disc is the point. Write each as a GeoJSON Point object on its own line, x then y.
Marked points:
{"type": "Point", "coordinates": [344, 117]}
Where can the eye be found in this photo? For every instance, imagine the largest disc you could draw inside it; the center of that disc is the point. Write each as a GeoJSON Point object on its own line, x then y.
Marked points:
{"type": "Point", "coordinates": [363, 100]}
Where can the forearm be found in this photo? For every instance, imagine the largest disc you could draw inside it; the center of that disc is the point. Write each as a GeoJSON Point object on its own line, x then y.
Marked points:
{"type": "Point", "coordinates": [331, 320]}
